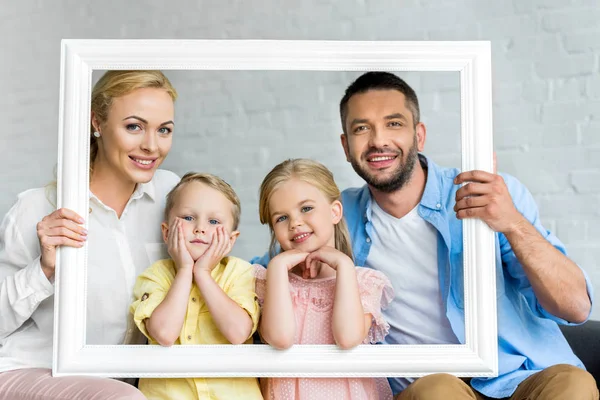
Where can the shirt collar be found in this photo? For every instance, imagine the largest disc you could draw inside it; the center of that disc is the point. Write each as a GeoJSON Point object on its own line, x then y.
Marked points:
{"type": "Point", "coordinates": [432, 195]}
{"type": "Point", "coordinates": [141, 189]}
{"type": "Point", "coordinates": [144, 188]}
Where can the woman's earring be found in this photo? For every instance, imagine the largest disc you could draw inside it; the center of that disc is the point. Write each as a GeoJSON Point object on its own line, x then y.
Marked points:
{"type": "Point", "coordinates": [96, 134]}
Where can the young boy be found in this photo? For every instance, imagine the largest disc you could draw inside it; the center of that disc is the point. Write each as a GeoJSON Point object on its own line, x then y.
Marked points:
{"type": "Point", "coordinates": [199, 296]}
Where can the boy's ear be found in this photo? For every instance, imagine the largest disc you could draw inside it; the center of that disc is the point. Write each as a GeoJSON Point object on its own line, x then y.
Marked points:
{"type": "Point", "coordinates": [233, 237]}
{"type": "Point", "coordinates": [165, 231]}
{"type": "Point", "coordinates": [337, 211]}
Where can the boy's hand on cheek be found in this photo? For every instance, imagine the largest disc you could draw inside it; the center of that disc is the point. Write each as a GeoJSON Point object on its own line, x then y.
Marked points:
{"type": "Point", "coordinates": [177, 247]}
{"type": "Point", "coordinates": [220, 245]}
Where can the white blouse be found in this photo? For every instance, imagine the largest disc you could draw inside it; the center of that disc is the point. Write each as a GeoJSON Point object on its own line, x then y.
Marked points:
{"type": "Point", "coordinates": [118, 251]}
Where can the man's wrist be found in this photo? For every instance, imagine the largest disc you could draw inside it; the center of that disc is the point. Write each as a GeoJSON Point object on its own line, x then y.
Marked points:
{"type": "Point", "coordinates": [518, 228]}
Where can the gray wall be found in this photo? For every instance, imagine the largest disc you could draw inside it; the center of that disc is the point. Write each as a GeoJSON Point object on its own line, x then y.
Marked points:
{"type": "Point", "coordinates": [546, 85]}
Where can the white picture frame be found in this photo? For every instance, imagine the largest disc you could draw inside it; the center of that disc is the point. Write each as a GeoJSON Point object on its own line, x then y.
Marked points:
{"type": "Point", "coordinates": [478, 357]}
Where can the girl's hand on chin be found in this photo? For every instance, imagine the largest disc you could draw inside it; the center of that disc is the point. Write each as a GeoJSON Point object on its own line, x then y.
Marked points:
{"type": "Point", "coordinates": [328, 255]}
{"type": "Point", "coordinates": [288, 259]}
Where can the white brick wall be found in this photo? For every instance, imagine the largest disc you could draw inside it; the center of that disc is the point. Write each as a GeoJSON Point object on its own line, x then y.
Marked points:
{"type": "Point", "coordinates": [546, 56]}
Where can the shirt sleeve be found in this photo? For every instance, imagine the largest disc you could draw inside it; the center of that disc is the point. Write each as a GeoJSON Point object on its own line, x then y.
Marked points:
{"type": "Point", "coordinates": [242, 291]}
{"type": "Point", "coordinates": [376, 293]}
{"type": "Point", "coordinates": [23, 285]}
{"type": "Point", "coordinates": [525, 204]}
{"type": "Point", "coordinates": [260, 274]}
{"type": "Point", "coordinates": [150, 289]}
{"type": "Point", "coordinates": [261, 260]}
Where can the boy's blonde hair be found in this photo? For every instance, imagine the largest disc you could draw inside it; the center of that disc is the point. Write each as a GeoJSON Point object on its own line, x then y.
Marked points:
{"type": "Point", "coordinates": [211, 181]}
{"type": "Point", "coordinates": [313, 173]}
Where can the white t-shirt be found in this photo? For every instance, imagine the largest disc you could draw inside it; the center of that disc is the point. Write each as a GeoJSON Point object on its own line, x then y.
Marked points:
{"type": "Point", "coordinates": [118, 251]}
{"type": "Point", "coordinates": [405, 250]}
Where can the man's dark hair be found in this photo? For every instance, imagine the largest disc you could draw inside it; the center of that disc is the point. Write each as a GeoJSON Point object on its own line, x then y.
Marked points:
{"type": "Point", "coordinates": [380, 81]}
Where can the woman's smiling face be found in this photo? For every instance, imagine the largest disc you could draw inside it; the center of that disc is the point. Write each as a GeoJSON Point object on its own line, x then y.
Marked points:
{"type": "Point", "coordinates": [137, 135]}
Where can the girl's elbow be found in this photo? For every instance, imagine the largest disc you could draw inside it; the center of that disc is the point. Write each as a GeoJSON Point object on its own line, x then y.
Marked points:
{"type": "Point", "coordinates": [281, 343]}
{"type": "Point", "coordinates": [347, 344]}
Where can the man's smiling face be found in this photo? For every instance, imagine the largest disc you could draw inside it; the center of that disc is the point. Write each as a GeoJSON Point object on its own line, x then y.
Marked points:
{"type": "Point", "coordinates": [381, 140]}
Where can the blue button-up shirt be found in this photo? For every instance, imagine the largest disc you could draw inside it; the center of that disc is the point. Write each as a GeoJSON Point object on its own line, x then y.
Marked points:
{"type": "Point", "coordinates": [529, 338]}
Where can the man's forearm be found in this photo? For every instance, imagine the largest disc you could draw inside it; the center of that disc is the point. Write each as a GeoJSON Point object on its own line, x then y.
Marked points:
{"type": "Point", "coordinates": [557, 282]}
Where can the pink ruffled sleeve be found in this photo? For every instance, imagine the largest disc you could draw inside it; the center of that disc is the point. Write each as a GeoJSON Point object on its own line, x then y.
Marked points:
{"type": "Point", "coordinates": [376, 293]}
{"type": "Point", "coordinates": [260, 273]}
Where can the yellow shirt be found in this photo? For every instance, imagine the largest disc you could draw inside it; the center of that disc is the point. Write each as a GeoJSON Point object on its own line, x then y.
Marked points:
{"type": "Point", "coordinates": [236, 277]}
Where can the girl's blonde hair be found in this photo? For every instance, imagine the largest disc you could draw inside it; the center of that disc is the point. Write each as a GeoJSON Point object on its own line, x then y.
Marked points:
{"type": "Point", "coordinates": [120, 83]}
{"type": "Point", "coordinates": [313, 173]}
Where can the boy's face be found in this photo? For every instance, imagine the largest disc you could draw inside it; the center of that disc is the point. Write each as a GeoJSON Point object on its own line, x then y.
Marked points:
{"type": "Point", "coordinates": [202, 209]}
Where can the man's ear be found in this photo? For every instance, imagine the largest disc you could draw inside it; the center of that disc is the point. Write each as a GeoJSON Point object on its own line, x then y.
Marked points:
{"type": "Point", "coordinates": [233, 237]}
{"type": "Point", "coordinates": [421, 133]}
{"type": "Point", "coordinates": [337, 211]}
{"type": "Point", "coordinates": [344, 140]}
{"type": "Point", "coordinates": [164, 227]}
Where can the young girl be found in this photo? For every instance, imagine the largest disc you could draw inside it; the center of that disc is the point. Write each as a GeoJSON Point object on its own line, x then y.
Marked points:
{"type": "Point", "coordinates": [311, 292]}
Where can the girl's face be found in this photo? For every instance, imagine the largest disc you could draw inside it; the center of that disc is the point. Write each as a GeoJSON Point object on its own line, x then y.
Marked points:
{"type": "Point", "coordinates": [302, 217]}
{"type": "Point", "coordinates": [137, 135]}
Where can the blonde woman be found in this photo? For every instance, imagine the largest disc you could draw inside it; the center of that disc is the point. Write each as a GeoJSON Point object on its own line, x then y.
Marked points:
{"type": "Point", "coordinates": [132, 123]}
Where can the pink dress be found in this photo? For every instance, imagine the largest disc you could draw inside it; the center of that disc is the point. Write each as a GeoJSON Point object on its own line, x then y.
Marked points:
{"type": "Point", "coordinates": [313, 305]}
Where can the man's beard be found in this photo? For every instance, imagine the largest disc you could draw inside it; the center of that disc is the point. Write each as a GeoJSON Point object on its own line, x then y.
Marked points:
{"type": "Point", "coordinates": [399, 178]}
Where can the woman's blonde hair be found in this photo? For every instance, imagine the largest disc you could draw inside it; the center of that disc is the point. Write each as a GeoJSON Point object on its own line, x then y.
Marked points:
{"type": "Point", "coordinates": [313, 173]}
{"type": "Point", "coordinates": [120, 83]}
{"type": "Point", "coordinates": [116, 84]}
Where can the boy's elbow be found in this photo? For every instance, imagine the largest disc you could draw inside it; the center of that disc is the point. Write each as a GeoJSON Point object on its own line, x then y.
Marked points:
{"type": "Point", "coordinates": [165, 339]}
{"type": "Point", "coordinates": [165, 343]}
{"type": "Point", "coordinates": [239, 333]}
{"type": "Point", "coordinates": [238, 337]}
